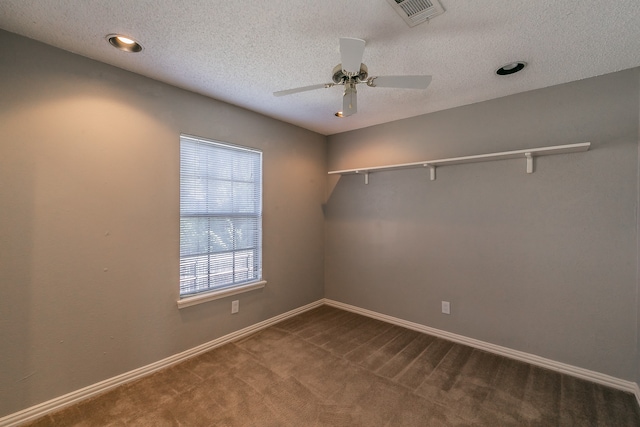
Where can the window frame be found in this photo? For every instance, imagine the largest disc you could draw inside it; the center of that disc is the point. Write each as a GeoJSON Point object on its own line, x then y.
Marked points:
{"type": "Point", "coordinates": [191, 214]}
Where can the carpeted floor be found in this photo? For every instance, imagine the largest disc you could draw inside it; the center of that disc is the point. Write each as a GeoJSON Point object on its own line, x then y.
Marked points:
{"type": "Point", "coordinates": [329, 367]}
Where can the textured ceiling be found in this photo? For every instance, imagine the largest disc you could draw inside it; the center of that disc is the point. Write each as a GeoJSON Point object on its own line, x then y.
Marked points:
{"type": "Point", "coordinates": [241, 52]}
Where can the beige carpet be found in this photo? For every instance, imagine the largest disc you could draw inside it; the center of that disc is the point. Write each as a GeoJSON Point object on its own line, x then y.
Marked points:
{"type": "Point", "coordinates": [328, 367]}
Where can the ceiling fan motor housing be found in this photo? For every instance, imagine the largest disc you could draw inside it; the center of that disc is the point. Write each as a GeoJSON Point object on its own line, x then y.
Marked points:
{"type": "Point", "coordinates": [339, 77]}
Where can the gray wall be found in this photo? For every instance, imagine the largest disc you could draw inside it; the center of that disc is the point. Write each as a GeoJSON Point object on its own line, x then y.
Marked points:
{"type": "Point", "coordinates": [638, 274]}
{"type": "Point", "coordinates": [88, 150]}
{"type": "Point", "coordinates": [543, 263]}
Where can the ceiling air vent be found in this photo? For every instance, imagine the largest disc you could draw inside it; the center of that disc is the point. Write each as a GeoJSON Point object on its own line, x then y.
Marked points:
{"type": "Point", "coordinates": [415, 12]}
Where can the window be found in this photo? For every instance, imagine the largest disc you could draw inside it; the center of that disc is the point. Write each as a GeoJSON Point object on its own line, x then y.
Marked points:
{"type": "Point", "coordinates": [220, 216]}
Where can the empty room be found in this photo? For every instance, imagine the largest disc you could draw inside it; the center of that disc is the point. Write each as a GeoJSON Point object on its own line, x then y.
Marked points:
{"type": "Point", "coordinates": [337, 213]}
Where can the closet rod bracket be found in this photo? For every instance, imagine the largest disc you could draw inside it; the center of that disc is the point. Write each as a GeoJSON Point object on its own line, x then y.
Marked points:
{"type": "Point", "coordinates": [366, 176]}
{"type": "Point", "coordinates": [432, 171]}
{"type": "Point", "coordinates": [529, 157]}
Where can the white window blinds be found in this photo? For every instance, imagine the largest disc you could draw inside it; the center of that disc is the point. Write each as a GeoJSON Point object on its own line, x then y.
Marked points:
{"type": "Point", "coordinates": [220, 215]}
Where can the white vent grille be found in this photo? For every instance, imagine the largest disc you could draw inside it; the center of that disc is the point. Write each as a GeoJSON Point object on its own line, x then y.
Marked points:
{"type": "Point", "coordinates": [415, 12]}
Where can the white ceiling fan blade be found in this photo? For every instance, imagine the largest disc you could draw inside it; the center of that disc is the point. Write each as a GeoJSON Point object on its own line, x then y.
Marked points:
{"type": "Point", "coordinates": [351, 51]}
{"type": "Point", "coordinates": [302, 89]}
{"type": "Point", "coordinates": [349, 101]}
{"type": "Point", "coordinates": [402, 82]}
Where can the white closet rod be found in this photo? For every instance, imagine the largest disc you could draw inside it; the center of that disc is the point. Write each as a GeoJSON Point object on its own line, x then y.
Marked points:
{"type": "Point", "coordinates": [527, 154]}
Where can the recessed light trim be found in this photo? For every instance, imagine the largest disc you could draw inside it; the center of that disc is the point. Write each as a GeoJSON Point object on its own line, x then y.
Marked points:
{"type": "Point", "coordinates": [511, 68]}
{"type": "Point", "coordinates": [125, 40]}
{"type": "Point", "coordinates": [124, 43]}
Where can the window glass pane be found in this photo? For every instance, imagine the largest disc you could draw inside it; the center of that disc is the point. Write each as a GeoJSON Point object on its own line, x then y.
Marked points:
{"type": "Point", "coordinates": [245, 232]}
{"type": "Point", "coordinates": [194, 235]}
{"type": "Point", "coordinates": [244, 197]}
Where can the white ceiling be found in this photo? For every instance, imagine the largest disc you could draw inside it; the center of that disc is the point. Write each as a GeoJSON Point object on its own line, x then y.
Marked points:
{"type": "Point", "coordinates": [241, 52]}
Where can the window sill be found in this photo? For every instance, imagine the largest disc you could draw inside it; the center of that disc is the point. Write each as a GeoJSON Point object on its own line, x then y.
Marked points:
{"type": "Point", "coordinates": [222, 293]}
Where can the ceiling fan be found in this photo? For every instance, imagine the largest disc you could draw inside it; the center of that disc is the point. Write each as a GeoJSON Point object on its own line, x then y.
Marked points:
{"type": "Point", "coordinates": [352, 72]}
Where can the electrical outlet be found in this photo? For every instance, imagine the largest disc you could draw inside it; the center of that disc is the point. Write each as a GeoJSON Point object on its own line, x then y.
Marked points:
{"type": "Point", "coordinates": [235, 306]}
{"type": "Point", "coordinates": [446, 307]}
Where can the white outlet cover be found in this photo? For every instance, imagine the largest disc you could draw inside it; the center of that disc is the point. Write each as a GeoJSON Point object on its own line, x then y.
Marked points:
{"type": "Point", "coordinates": [446, 307]}
{"type": "Point", "coordinates": [235, 306]}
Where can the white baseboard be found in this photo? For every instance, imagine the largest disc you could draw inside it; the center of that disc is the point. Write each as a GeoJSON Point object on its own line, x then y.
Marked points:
{"type": "Point", "coordinates": [58, 403]}
{"type": "Point", "coordinates": [563, 368]}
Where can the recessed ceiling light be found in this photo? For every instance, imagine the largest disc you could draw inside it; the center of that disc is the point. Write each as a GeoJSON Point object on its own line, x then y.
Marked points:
{"type": "Point", "coordinates": [124, 43]}
{"type": "Point", "coordinates": [510, 68]}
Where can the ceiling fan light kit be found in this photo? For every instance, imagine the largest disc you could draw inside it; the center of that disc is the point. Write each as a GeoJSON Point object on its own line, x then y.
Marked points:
{"type": "Point", "coordinates": [351, 72]}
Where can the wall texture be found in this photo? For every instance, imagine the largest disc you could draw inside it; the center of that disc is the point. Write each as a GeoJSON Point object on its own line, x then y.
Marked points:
{"type": "Point", "coordinates": [543, 263]}
{"type": "Point", "coordinates": [89, 221]}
